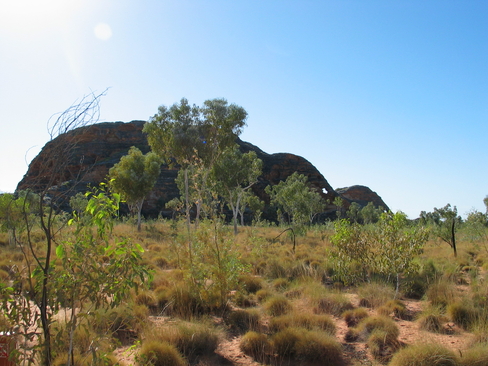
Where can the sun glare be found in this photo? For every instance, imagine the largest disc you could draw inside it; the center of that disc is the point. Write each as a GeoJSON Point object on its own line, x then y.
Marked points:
{"type": "Point", "coordinates": [30, 16]}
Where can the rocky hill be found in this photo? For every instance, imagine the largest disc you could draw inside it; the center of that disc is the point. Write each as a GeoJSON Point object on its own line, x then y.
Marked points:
{"type": "Point", "coordinates": [98, 147]}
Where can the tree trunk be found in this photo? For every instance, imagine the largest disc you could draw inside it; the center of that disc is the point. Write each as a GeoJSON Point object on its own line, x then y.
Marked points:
{"type": "Point", "coordinates": [453, 237]}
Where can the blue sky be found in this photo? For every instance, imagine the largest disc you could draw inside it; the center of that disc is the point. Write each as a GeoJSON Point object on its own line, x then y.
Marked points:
{"type": "Point", "coordinates": [388, 94]}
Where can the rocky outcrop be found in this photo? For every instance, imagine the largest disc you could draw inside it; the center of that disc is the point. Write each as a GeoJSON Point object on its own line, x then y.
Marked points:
{"type": "Point", "coordinates": [362, 195]}
{"type": "Point", "coordinates": [96, 148]}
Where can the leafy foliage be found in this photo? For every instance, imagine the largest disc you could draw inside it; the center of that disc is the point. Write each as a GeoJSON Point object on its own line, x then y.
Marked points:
{"type": "Point", "coordinates": [296, 200]}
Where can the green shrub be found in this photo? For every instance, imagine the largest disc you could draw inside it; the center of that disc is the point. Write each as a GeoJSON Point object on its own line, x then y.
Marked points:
{"type": "Point", "coordinates": [255, 344]}
{"type": "Point", "coordinates": [354, 316]}
{"type": "Point", "coordinates": [157, 353]}
{"type": "Point", "coordinates": [424, 355]}
{"type": "Point", "coordinates": [277, 305]}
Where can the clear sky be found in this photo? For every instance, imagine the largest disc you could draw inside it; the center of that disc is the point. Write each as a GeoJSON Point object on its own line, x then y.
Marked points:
{"type": "Point", "coordinates": [391, 94]}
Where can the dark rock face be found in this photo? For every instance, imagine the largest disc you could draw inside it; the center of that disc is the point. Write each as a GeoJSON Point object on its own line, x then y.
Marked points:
{"type": "Point", "coordinates": [100, 146]}
{"type": "Point", "coordinates": [361, 195]}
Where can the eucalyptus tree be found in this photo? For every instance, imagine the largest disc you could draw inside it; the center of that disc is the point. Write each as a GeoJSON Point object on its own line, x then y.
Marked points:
{"type": "Point", "coordinates": [234, 174]}
{"type": "Point", "coordinates": [192, 136]}
{"type": "Point", "coordinates": [134, 177]}
{"type": "Point", "coordinates": [295, 199]}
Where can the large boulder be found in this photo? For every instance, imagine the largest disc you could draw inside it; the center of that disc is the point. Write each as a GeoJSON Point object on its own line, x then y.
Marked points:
{"type": "Point", "coordinates": [96, 148]}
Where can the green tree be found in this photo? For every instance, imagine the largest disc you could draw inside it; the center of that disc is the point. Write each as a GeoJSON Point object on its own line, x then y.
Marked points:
{"type": "Point", "coordinates": [354, 212]}
{"type": "Point", "coordinates": [296, 199]}
{"type": "Point", "coordinates": [370, 214]}
{"type": "Point", "coordinates": [445, 222]}
{"type": "Point", "coordinates": [195, 136]}
{"type": "Point", "coordinates": [39, 211]}
{"type": "Point", "coordinates": [134, 177]}
{"type": "Point", "coordinates": [234, 174]}
{"type": "Point", "coordinates": [95, 273]}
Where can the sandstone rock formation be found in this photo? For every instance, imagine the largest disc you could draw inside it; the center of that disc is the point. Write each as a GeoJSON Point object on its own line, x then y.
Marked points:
{"type": "Point", "coordinates": [98, 147]}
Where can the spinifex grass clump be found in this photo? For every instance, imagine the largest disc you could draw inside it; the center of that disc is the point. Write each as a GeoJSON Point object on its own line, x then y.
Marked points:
{"type": "Point", "coordinates": [307, 346]}
{"type": "Point", "coordinates": [332, 303]}
{"type": "Point", "coordinates": [394, 308]}
{"type": "Point", "coordinates": [156, 353]}
{"type": "Point", "coordinates": [463, 314]}
{"type": "Point", "coordinates": [424, 355]}
{"type": "Point", "coordinates": [354, 316]}
{"type": "Point", "coordinates": [382, 345]}
{"type": "Point", "coordinates": [244, 320]}
{"type": "Point", "coordinates": [370, 324]}
{"type": "Point", "coordinates": [474, 356]}
{"type": "Point", "coordinates": [432, 319]}
{"type": "Point", "coordinates": [256, 345]}
{"type": "Point", "coordinates": [277, 305]}
{"type": "Point", "coordinates": [373, 295]}
{"type": "Point", "coordinates": [441, 293]}
{"type": "Point", "coordinates": [307, 321]}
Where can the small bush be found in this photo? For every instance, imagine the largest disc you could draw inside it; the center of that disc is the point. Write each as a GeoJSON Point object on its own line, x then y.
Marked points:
{"type": "Point", "coordinates": [373, 295]}
{"type": "Point", "coordinates": [424, 355]}
{"type": "Point", "coordinates": [256, 345]}
{"type": "Point", "coordinates": [244, 320]}
{"type": "Point", "coordinates": [277, 305]}
{"type": "Point", "coordinates": [156, 353]}
{"type": "Point", "coordinates": [354, 316]}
